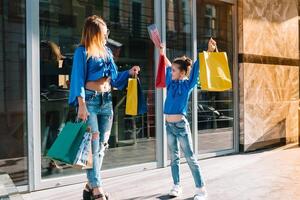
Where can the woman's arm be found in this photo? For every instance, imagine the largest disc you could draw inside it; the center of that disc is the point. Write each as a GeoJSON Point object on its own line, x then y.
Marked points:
{"type": "Point", "coordinates": [77, 91]}
{"type": "Point", "coordinates": [121, 79]}
{"type": "Point", "coordinates": [82, 109]}
{"type": "Point", "coordinates": [77, 76]}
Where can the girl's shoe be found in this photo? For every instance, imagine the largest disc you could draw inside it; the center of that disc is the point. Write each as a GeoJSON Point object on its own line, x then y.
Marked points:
{"type": "Point", "coordinates": [201, 194]}
{"type": "Point", "coordinates": [176, 191]}
{"type": "Point", "coordinates": [199, 197]}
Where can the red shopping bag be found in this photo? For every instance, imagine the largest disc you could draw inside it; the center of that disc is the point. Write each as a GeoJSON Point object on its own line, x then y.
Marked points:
{"type": "Point", "coordinates": [161, 72]}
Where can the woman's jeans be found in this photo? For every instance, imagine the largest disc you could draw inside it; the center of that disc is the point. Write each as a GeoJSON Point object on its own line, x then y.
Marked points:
{"type": "Point", "coordinates": [99, 106]}
{"type": "Point", "coordinates": [179, 134]}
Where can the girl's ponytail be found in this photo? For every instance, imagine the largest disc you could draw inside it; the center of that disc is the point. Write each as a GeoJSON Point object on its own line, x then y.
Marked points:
{"type": "Point", "coordinates": [185, 64]}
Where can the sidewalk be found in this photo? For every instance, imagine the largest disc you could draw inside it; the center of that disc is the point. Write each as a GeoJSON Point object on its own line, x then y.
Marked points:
{"type": "Point", "coordinates": [265, 175]}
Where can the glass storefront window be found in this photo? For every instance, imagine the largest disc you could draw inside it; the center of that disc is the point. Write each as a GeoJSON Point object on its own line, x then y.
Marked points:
{"type": "Point", "coordinates": [215, 109]}
{"type": "Point", "coordinates": [13, 101]}
{"type": "Point", "coordinates": [132, 139]}
{"type": "Point", "coordinates": [179, 34]}
{"type": "Point", "coordinates": [179, 28]}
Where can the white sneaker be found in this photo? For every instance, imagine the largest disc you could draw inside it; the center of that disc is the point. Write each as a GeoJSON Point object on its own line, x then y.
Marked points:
{"type": "Point", "coordinates": [176, 191]}
{"type": "Point", "coordinates": [200, 194]}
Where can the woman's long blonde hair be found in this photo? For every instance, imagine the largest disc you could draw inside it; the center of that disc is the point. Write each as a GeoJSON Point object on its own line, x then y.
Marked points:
{"type": "Point", "coordinates": [93, 36]}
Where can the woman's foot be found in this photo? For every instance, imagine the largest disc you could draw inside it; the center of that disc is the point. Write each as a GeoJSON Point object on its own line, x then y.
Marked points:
{"type": "Point", "coordinates": [98, 194]}
{"type": "Point", "coordinates": [87, 193]}
{"type": "Point", "coordinates": [176, 191]}
{"type": "Point", "coordinates": [200, 194]}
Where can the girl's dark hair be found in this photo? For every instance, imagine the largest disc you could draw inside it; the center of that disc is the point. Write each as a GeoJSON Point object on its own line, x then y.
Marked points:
{"type": "Point", "coordinates": [184, 64]}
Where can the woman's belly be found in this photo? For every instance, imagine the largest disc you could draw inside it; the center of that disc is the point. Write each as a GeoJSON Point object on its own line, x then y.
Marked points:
{"type": "Point", "coordinates": [100, 85]}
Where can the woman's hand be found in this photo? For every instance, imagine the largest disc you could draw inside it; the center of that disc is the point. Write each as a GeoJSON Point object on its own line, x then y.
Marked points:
{"type": "Point", "coordinates": [82, 110]}
{"type": "Point", "coordinates": [134, 70]}
{"type": "Point", "coordinates": [212, 45]}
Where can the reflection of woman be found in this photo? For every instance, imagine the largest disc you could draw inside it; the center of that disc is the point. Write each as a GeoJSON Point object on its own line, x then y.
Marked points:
{"type": "Point", "coordinates": [181, 80]}
{"type": "Point", "coordinates": [50, 51]}
{"type": "Point", "coordinates": [51, 58]}
{"type": "Point", "coordinates": [93, 74]}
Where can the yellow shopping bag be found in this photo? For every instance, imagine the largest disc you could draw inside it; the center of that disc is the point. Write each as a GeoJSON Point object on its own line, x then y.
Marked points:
{"type": "Point", "coordinates": [132, 97]}
{"type": "Point", "coordinates": [214, 71]}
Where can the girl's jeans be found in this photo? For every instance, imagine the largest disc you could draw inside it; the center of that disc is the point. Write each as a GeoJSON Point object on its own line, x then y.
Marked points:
{"type": "Point", "coordinates": [178, 133]}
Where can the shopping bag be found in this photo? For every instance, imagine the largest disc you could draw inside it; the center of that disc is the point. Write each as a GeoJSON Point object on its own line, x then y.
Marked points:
{"type": "Point", "coordinates": [214, 71]}
{"type": "Point", "coordinates": [84, 158]}
{"type": "Point", "coordinates": [142, 103]}
{"type": "Point", "coordinates": [67, 143]}
{"type": "Point", "coordinates": [132, 97]}
{"type": "Point", "coordinates": [161, 72]}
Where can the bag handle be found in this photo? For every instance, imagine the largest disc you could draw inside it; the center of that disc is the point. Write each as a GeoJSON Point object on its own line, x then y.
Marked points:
{"type": "Point", "coordinates": [135, 76]}
{"type": "Point", "coordinates": [79, 120]}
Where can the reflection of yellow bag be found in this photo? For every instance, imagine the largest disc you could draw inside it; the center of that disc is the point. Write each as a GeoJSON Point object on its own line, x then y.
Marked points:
{"type": "Point", "coordinates": [214, 71]}
{"type": "Point", "coordinates": [132, 97]}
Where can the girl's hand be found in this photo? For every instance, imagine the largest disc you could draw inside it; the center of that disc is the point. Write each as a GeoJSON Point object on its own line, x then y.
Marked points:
{"type": "Point", "coordinates": [168, 62]}
{"type": "Point", "coordinates": [162, 49]}
{"type": "Point", "coordinates": [134, 70]}
{"type": "Point", "coordinates": [162, 52]}
{"type": "Point", "coordinates": [212, 45]}
{"type": "Point", "coordinates": [82, 112]}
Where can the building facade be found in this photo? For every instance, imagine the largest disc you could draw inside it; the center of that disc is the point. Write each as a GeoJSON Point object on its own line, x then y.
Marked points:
{"type": "Point", "coordinates": [38, 38]}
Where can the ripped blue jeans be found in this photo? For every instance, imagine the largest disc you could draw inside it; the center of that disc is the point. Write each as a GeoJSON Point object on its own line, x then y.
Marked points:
{"type": "Point", "coordinates": [100, 119]}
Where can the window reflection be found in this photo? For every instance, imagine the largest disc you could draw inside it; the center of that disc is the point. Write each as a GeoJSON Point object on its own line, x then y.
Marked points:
{"type": "Point", "coordinates": [215, 109]}
{"type": "Point", "coordinates": [13, 101]}
{"type": "Point", "coordinates": [132, 139]}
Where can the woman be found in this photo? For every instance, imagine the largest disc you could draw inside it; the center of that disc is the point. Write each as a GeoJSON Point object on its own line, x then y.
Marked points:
{"type": "Point", "coordinates": [94, 73]}
{"type": "Point", "coordinates": [181, 80]}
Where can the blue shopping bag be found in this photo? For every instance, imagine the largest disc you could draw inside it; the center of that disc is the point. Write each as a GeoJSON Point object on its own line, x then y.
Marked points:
{"type": "Point", "coordinates": [142, 103]}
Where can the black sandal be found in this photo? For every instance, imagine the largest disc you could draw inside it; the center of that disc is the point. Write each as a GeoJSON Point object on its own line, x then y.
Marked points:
{"type": "Point", "coordinates": [97, 196]}
{"type": "Point", "coordinates": [88, 194]}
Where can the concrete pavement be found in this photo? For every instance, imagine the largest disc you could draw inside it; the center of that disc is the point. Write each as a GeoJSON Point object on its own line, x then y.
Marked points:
{"type": "Point", "coordinates": [265, 175]}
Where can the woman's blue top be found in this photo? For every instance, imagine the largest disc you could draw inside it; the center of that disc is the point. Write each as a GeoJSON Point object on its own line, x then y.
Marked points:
{"type": "Point", "coordinates": [84, 70]}
{"type": "Point", "coordinates": [178, 91]}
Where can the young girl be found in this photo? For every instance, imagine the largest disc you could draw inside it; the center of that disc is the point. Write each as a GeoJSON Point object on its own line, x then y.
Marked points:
{"type": "Point", "coordinates": [94, 72]}
{"type": "Point", "coordinates": [179, 88]}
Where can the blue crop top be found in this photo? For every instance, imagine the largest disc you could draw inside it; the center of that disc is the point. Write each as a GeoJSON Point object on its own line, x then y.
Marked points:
{"type": "Point", "coordinates": [178, 91]}
{"type": "Point", "coordinates": [93, 69]}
